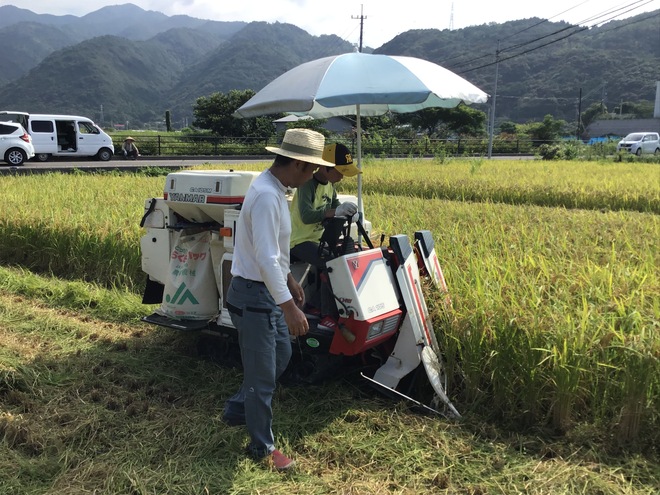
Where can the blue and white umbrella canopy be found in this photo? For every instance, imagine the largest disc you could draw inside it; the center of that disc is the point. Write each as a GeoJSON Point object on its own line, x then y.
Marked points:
{"type": "Point", "coordinates": [378, 84]}
{"type": "Point", "coordinates": [361, 84]}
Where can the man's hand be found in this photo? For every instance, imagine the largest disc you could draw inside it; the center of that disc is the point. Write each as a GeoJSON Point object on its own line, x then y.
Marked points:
{"type": "Point", "coordinates": [347, 209]}
{"type": "Point", "coordinates": [295, 318]}
{"type": "Point", "coordinates": [296, 290]}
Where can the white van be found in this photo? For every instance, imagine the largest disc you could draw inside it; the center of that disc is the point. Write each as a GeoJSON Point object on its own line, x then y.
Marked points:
{"type": "Point", "coordinates": [63, 135]}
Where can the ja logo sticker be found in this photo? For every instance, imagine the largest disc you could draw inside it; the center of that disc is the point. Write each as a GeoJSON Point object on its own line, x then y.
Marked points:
{"type": "Point", "coordinates": [181, 295]}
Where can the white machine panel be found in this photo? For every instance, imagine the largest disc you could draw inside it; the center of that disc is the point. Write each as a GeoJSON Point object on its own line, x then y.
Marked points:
{"type": "Point", "coordinates": [203, 195]}
{"type": "Point", "coordinates": [229, 221]}
{"type": "Point", "coordinates": [156, 246]}
{"type": "Point", "coordinates": [364, 283]}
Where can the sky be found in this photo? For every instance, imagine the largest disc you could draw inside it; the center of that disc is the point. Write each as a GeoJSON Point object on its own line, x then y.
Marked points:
{"type": "Point", "coordinates": [382, 20]}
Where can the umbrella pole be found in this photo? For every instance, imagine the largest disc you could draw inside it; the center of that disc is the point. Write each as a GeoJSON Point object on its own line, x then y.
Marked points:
{"type": "Point", "coordinates": [359, 161]}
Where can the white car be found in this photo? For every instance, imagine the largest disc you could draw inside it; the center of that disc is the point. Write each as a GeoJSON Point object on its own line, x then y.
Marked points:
{"type": "Point", "coordinates": [640, 142]}
{"type": "Point", "coordinates": [15, 144]}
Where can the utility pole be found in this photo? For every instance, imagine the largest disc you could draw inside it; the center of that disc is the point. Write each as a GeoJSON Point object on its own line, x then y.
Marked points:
{"type": "Point", "coordinates": [451, 18]}
{"type": "Point", "coordinates": [359, 127]}
{"type": "Point", "coordinates": [492, 105]}
{"type": "Point", "coordinates": [579, 115]}
{"type": "Point", "coordinates": [362, 18]}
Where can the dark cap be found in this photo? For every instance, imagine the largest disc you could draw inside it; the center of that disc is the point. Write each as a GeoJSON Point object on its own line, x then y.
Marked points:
{"type": "Point", "coordinates": [340, 155]}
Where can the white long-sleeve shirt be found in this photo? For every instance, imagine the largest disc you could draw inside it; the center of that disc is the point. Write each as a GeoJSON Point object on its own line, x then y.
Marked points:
{"type": "Point", "coordinates": [263, 230]}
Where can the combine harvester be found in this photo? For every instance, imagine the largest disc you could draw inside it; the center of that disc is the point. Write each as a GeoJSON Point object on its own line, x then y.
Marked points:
{"type": "Point", "coordinates": [187, 253]}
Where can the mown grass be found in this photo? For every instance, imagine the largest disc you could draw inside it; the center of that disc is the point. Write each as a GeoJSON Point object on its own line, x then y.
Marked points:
{"type": "Point", "coordinates": [91, 404]}
{"type": "Point", "coordinates": [552, 339]}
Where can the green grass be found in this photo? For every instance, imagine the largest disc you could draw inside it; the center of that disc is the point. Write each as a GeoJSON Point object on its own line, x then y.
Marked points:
{"type": "Point", "coordinates": [552, 344]}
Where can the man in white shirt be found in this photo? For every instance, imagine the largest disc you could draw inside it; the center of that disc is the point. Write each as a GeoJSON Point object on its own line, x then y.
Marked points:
{"type": "Point", "coordinates": [264, 300]}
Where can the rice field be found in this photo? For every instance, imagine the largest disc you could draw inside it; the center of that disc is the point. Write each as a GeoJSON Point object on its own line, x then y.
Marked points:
{"type": "Point", "coordinates": [553, 270]}
{"type": "Point", "coordinates": [567, 184]}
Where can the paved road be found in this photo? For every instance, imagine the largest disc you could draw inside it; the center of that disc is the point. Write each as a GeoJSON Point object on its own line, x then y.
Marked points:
{"type": "Point", "coordinates": [55, 164]}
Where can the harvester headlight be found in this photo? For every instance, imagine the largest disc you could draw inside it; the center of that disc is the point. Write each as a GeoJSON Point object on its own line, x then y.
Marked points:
{"type": "Point", "coordinates": [375, 329]}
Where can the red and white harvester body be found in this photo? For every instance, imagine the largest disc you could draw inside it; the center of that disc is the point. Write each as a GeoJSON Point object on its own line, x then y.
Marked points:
{"type": "Point", "coordinates": [187, 250]}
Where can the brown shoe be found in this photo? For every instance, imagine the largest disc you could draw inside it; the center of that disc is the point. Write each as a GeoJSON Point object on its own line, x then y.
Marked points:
{"type": "Point", "coordinates": [280, 461]}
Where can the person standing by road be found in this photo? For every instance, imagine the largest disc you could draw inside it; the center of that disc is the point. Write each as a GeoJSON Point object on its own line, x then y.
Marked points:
{"type": "Point", "coordinates": [264, 300]}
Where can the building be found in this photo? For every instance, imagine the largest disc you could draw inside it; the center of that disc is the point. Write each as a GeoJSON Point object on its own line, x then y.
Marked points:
{"type": "Point", "coordinates": [339, 125]}
{"type": "Point", "coordinates": [623, 127]}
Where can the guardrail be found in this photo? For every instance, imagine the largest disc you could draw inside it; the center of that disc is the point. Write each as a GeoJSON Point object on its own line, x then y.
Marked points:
{"type": "Point", "coordinates": [191, 145]}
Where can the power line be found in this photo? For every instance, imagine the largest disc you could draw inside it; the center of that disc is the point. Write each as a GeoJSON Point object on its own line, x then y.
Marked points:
{"type": "Point", "coordinates": [614, 28]}
{"type": "Point", "coordinates": [525, 52]}
{"type": "Point", "coordinates": [512, 47]}
{"type": "Point", "coordinates": [498, 60]}
{"type": "Point", "coordinates": [520, 45]}
{"type": "Point", "coordinates": [577, 29]}
{"type": "Point", "coordinates": [543, 21]}
{"type": "Point", "coordinates": [629, 8]}
{"type": "Point", "coordinates": [612, 13]}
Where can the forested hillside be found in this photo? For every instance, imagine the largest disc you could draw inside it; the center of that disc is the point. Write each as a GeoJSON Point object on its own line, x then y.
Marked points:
{"type": "Point", "coordinates": [82, 65]}
{"type": "Point", "coordinates": [619, 61]}
{"type": "Point", "coordinates": [19, 57]}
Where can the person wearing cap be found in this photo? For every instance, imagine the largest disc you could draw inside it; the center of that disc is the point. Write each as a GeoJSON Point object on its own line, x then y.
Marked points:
{"type": "Point", "coordinates": [263, 299]}
{"type": "Point", "coordinates": [129, 149]}
{"type": "Point", "coordinates": [313, 202]}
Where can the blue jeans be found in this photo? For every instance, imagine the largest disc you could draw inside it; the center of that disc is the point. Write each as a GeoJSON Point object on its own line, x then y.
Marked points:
{"type": "Point", "coordinates": [265, 345]}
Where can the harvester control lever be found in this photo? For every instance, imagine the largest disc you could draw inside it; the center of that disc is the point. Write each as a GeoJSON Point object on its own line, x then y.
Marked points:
{"type": "Point", "coordinates": [152, 207]}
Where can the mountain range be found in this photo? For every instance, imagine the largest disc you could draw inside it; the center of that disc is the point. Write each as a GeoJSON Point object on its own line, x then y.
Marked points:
{"type": "Point", "coordinates": [122, 64]}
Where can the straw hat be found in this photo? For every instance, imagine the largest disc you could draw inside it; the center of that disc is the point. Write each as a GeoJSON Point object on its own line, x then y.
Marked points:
{"type": "Point", "coordinates": [340, 155]}
{"type": "Point", "coordinates": [129, 138]}
{"type": "Point", "coordinates": [304, 145]}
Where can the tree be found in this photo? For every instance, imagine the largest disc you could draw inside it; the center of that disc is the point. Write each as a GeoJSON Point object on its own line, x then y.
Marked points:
{"type": "Point", "coordinates": [548, 131]}
{"type": "Point", "coordinates": [508, 127]}
{"type": "Point", "coordinates": [462, 120]}
{"type": "Point", "coordinates": [592, 113]}
{"type": "Point", "coordinates": [641, 110]}
{"type": "Point", "coordinates": [215, 112]}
